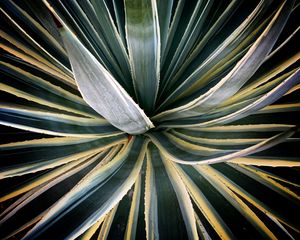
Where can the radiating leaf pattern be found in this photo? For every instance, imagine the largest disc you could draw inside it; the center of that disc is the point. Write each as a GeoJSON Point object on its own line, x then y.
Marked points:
{"type": "Point", "coordinates": [149, 119]}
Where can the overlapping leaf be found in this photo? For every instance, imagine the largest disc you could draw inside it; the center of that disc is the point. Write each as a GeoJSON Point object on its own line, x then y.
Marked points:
{"type": "Point", "coordinates": [218, 79]}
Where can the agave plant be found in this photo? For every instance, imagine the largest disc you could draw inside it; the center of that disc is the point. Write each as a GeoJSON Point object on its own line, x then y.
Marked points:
{"type": "Point", "coordinates": [149, 119]}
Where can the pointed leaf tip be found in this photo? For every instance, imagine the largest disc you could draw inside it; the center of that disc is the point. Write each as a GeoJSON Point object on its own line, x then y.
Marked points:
{"type": "Point", "coordinates": [102, 91]}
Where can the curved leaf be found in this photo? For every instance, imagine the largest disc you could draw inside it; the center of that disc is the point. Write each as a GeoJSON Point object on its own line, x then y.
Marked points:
{"type": "Point", "coordinates": [102, 91]}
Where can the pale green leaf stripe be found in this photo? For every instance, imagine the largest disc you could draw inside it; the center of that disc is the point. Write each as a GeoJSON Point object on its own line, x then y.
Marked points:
{"type": "Point", "coordinates": [194, 147]}
{"type": "Point", "coordinates": [293, 89]}
{"type": "Point", "coordinates": [85, 20]}
{"type": "Point", "coordinates": [293, 34]}
{"type": "Point", "coordinates": [118, 176]}
{"type": "Point", "coordinates": [45, 181]}
{"type": "Point", "coordinates": [30, 196]}
{"type": "Point", "coordinates": [34, 120]}
{"type": "Point", "coordinates": [269, 162]}
{"type": "Point", "coordinates": [266, 173]}
{"type": "Point", "coordinates": [205, 206]}
{"type": "Point", "coordinates": [188, 153]}
{"type": "Point", "coordinates": [44, 16]}
{"type": "Point", "coordinates": [261, 102]}
{"type": "Point", "coordinates": [41, 184]}
{"type": "Point", "coordinates": [164, 185]}
{"type": "Point", "coordinates": [150, 201]}
{"type": "Point", "coordinates": [25, 226]}
{"type": "Point", "coordinates": [246, 99]}
{"type": "Point", "coordinates": [241, 192]}
{"type": "Point", "coordinates": [215, 27]}
{"type": "Point", "coordinates": [188, 39]}
{"type": "Point", "coordinates": [10, 211]}
{"type": "Point", "coordinates": [251, 108]}
{"type": "Point", "coordinates": [288, 107]}
{"type": "Point", "coordinates": [37, 27]}
{"type": "Point", "coordinates": [264, 79]}
{"type": "Point", "coordinates": [44, 142]}
{"type": "Point", "coordinates": [265, 179]}
{"type": "Point", "coordinates": [201, 229]}
{"type": "Point", "coordinates": [43, 83]}
{"type": "Point", "coordinates": [54, 116]}
{"type": "Point", "coordinates": [230, 135]}
{"type": "Point", "coordinates": [118, 7]}
{"type": "Point", "coordinates": [280, 225]}
{"type": "Point", "coordinates": [216, 141]}
{"type": "Point", "coordinates": [173, 28]}
{"type": "Point", "coordinates": [183, 199]}
{"type": "Point", "coordinates": [35, 43]}
{"type": "Point", "coordinates": [250, 96]}
{"type": "Point", "coordinates": [34, 59]}
{"type": "Point", "coordinates": [92, 230]}
{"type": "Point", "coordinates": [112, 36]}
{"type": "Point", "coordinates": [245, 128]}
{"type": "Point", "coordinates": [134, 211]}
{"type": "Point", "coordinates": [228, 45]}
{"type": "Point", "coordinates": [143, 41]}
{"type": "Point", "coordinates": [236, 201]}
{"type": "Point", "coordinates": [247, 66]}
{"type": "Point", "coordinates": [103, 234]}
{"type": "Point", "coordinates": [27, 95]}
{"type": "Point", "coordinates": [86, 32]}
{"type": "Point", "coordinates": [164, 8]}
{"type": "Point", "coordinates": [68, 169]}
{"type": "Point", "coordinates": [102, 92]}
{"type": "Point", "coordinates": [50, 158]}
{"type": "Point", "coordinates": [242, 71]}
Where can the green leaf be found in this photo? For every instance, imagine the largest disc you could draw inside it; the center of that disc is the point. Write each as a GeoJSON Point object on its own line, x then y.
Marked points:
{"type": "Point", "coordinates": [25, 85]}
{"type": "Point", "coordinates": [112, 37]}
{"type": "Point", "coordinates": [217, 25]}
{"type": "Point", "coordinates": [242, 109]}
{"type": "Point", "coordinates": [257, 196]}
{"type": "Point", "coordinates": [52, 123]}
{"type": "Point", "coordinates": [34, 34]}
{"type": "Point", "coordinates": [186, 153]}
{"type": "Point", "coordinates": [84, 22]}
{"type": "Point", "coordinates": [92, 230]}
{"type": "Point", "coordinates": [167, 201]}
{"type": "Point", "coordinates": [164, 8]}
{"type": "Point", "coordinates": [263, 101]}
{"type": "Point", "coordinates": [269, 181]}
{"type": "Point", "coordinates": [30, 207]}
{"type": "Point", "coordinates": [98, 192]}
{"type": "Point", "coordinates": [236, 202]}
{"type": "Point", "coordinates": [206, 68]}
{"type": "Point", "coordinates": [206, 208]}
{"type": "Point", "coordinates": [242, 71]}
{"type": "Point", "coordinates": [173, 27]}
{"type": "Point", "coordinates": [119, 12]}
{"type": "Point", "coordinates": [143, 41]}
{"type": "Point", "coordinates": [195, 25]}
{"type": "Point", "coordinates": [102, 92]}
{"type": "Point", "coordinates": [46, 180]}
{"type": "Point", "coordinates": [220, 80]}
{"type": "Point", "coordinates": [28, 159]}
{"type": "Point", "coordinates": [104, 232]}
{"type": "Point", "coordinates": [134, 211]}
{"type": "Point", "coordinates": [27, 55]}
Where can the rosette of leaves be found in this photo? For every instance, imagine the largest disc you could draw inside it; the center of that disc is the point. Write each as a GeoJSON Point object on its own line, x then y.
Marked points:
{"type": "Point", "coordinates": [149, 119]}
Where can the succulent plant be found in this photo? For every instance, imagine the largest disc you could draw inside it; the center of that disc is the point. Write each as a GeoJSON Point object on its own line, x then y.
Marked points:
{"type": "Point", "coordinates": [149, 119]}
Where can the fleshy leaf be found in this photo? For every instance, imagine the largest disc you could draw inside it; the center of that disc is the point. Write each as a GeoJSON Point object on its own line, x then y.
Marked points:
{"type": "Point", "coordinates": [102, 92]}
